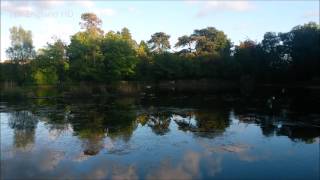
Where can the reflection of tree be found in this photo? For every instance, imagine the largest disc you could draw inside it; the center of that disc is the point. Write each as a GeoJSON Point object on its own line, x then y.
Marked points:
{"type": "Point", "coordinates": [159, 123]}
{"type": "Point", "coordinates": [56, 118]}
{"type": "Point", "coordinates": [185, 123]}
{"type": "Point", "coordinates": [204, 123]}
{"type": "Point", "coordinates": [92, 144]}
{"type": "Point", "coordinates": [24, 124]}
{"type": "Point", "coordinates": [142, 119]}
{"type": "Point", "coordinates": [90, 130]}
{"type": "Point", "coordinates": [282, 125]}
{"type": "Point", "coordinates": [120, 120]}
{"type": "Point", "coordinates": [92, 122]}
{"type": "Point", "coordinates": [268, 127]}
{"type": "Point", "coordinates": [306, 134]}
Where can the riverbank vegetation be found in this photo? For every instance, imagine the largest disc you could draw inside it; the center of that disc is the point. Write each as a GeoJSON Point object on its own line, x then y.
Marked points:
{"type": "Point", "coordinates": [102, 57]}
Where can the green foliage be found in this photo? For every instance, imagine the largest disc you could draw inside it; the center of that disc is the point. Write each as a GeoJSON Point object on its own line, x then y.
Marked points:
{"type": "Point", "coordinates": [302, 47]}
{"type": "Point", "coordinates": [205, 54]}
{"type": "Point", "coordinates": [211, 41]}
{"type": "Point", "coordinates": [159, 42]}
{"type": "Point", "coordinates": [50, 66]}
{"type": "Point", "coordinates": [119, 57]}
{"type": "Point", "coordinates": [45, 76]}
{"type": "Point", "coordinates": [249, 55]}
{"type": "Point", "coordinates": [85, 56]}
{"type": "Point", "coordinates": [186, 41]}
{"type": "Point", "coordinates": [21, 48]}
{"type": "Point", "coordinates": [12, 93]}
{"type": "Point", "coordinates": [91, 23]}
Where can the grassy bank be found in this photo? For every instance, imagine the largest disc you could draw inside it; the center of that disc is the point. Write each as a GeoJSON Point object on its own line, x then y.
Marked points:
{"type": "Point", "coordinates": [88, 90]}
{"type": "Point", "coordinates": [91, 90]}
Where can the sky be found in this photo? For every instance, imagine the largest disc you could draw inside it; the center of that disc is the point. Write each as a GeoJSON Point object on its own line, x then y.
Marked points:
{"type": "Point", "coordinates": [239, 19]}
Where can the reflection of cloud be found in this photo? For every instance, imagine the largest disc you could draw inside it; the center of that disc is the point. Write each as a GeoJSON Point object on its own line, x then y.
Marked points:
{"type": "Point", "coordinates": [124, 173]}
{"type": "Point", "coordinates": [81, 157]}
{"type": "Point", "coordinates": [98, 173]}
{"type": "Point", "coordinates": [248, 157]}
{"type": "Point", "coordinates": [108, 144]}
{"type": "Point", "coordinates": [233, 148]}
{"type": "Point", "coordinates": [48, 164]}
{"type": "Point", "coordinates": [50, 160]}
{"type": "Point", "coordinates": [54, 134]}
{"type": "Point", "coordinates": [188, 168]}
{"type": "Point", "coordinates": [168, 172]}
{"type": "Point", "coordinates": [192, 160]}
{"type": "Point", "coordinates": [31, 165]}
{"type": "Point", "coordinates": [213, 165]}
{"type": "Point", "coordinates": [241, 150]}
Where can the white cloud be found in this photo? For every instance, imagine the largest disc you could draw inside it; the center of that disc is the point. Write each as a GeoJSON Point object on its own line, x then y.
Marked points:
{"type": "Point", "coordinates": [86, 4]}
{"type": "Point", "coordinates": [51, 8]}
{"type": "Point", "coordinates": [132, 9]}
{"type": "Point", "coordinates": [192, 2]}
{"type": "Point", "coordinates": [207, 7]}
{"type": "Point", "coordinates": [101, 11]}
{"type": "Point", "coordinates": [28, 8]}
{"type": "Point", "coordinates": [16, 8]}
{"type": "Point", "coordinates": [311, 14]}
{"type": "Point", "coordinates": [90, 6]}
{"type": "Point", "coordinates": [105, 11]}
{"type": "Point", "coordinates": [52, 27]}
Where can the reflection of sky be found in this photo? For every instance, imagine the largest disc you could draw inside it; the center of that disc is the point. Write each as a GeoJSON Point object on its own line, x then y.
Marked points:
{"type": "Point", "coordinates": [178, 154]}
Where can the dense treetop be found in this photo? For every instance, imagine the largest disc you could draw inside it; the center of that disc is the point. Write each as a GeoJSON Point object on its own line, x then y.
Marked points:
{"type": "Point", "coordinates": [98, 56]}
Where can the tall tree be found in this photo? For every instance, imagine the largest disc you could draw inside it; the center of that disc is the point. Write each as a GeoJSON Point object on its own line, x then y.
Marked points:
{"type": "Point", "coordinates": [119, 57]}
{"type": "Point", "coordinates": [51, 64]}
{"type": "Point", "coordinates": [126, 35]}
{"type": "Point", "coordinates": [20, 51]}
{"type": "Point", "coordinates": [212, 41]}
{"type": "Point", "coordinates": [84, 51]}
{"type": "Point", "coordinates": [91, 22]}
{"type": "Point", "coordinates": [184, 41]}
{"type": "Point", "coordinates": [302, 44]}
{"type": "Point", "coordinates": [21, 48]}
{"type": "Point", "coordinates": [249, 56]}
{"type": "Point", "coordinates": [159, 42]}
{"type": "Point", "coordinates": [85, 56]}
{"type": "Point", "coordinates": [276, 58]}
{"type": "Point", "coordinates": [143, 50]}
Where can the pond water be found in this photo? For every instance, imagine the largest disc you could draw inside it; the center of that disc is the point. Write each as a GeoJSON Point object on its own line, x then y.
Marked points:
{"type": "Point", "coordinates": [265, 136]}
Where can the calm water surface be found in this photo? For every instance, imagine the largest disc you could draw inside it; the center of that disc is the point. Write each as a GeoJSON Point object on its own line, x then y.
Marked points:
{"type": "Point", "coordinates": [162, 137]}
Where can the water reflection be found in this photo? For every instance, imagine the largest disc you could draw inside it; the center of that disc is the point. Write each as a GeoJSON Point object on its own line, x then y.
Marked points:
{"type": "Point", "coordinates": [134, 138]}
{"type": "Point", "coordinates": [282, 125]}
{"type": "Point", "coordinates": [187, 168]}
{"type": "Point", "coordinates": [159, 122]}
{"type": "Point", "coordinates": [24, 124]}
{"type": "Point", "coordinates": [204, 124]}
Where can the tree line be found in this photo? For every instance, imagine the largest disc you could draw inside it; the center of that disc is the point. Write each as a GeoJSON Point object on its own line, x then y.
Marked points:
{"type": "Point", "coordinates": [96, 56]}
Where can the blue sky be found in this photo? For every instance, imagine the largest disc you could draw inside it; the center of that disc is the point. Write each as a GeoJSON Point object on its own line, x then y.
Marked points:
{"type": "Point", "coordinates": [238, 19]}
